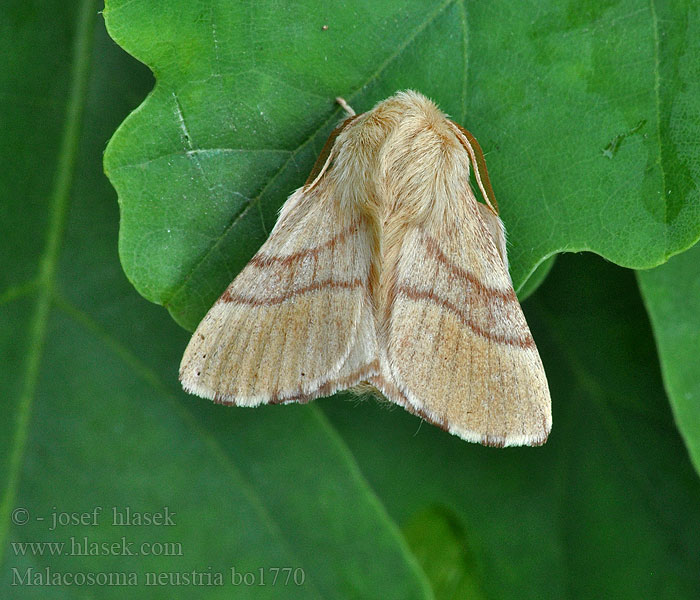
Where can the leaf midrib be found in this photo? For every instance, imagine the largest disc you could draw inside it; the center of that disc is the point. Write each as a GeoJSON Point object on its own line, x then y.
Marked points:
{"type": "Point", "coordinates": [48, 262]}
{"type": "Point", "coordinates": [657, 101]}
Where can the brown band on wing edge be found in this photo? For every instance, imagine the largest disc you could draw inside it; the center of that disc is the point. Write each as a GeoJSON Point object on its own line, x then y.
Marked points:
{"type": "Point", "coordinates": [327, 389]}
{"type": "Point", "coordinates": [392, 392]}
{"type": "Point", "coordinates": [332, 386]}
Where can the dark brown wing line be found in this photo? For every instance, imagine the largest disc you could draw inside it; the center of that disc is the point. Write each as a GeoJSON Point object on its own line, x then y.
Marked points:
{"type": "Point", "coordinates": [417, 295]}
{"type": "Point", "coordinates": [227, 296]}
{"type": "Point", "coordinates": [472, 283]}
{"type": "Point", "coordinates": [492, 293]}
{"type": "Point", "coordinates": [266, 260]}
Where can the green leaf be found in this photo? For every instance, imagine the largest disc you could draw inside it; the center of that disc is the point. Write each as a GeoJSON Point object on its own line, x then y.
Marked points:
{"type": "Point", "coordinates": [589, 114]}
{"type": "Point", "coordinates": [536, 278]}
{"type": "Point", "coordinates": [671, 293]}
{"type": "Point", "coordinates": [94, 417]}
{"type": "Point", "coordinates": [608, 508]}
{"type": "Point", "coordinates": [441, 545]}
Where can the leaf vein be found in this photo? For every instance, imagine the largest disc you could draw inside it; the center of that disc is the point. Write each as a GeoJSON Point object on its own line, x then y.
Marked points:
{"type": "Point", "coordinates": [48, 262]}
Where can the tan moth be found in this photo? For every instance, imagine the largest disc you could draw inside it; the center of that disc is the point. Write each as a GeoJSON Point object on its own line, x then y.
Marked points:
{"type": "Point", "coordinates": [383, 271]}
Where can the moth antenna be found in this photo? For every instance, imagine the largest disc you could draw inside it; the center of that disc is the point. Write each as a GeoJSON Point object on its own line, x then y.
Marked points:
{"type": "Point", "coordinates": [320, 172]}
{"type": "Point", "coordinates": [345, 106]}
{"type": "Point", "coordinates": [324, 159]}
{"type": "Point", "coordinates": [476, 156]}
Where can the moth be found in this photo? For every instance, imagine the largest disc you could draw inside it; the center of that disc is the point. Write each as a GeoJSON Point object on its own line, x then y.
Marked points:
{"type": "Point", "coordinates": [383, 272]}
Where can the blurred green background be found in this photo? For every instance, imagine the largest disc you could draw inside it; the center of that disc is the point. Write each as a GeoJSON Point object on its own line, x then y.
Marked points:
{"type": "Point", "coordinates": [590, 119]}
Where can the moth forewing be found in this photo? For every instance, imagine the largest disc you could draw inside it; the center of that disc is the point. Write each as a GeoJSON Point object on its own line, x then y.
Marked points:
{"type": "Point", "coordinates": [496, 229]}
{"type": "Point", "coordinates": [295, 323]}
